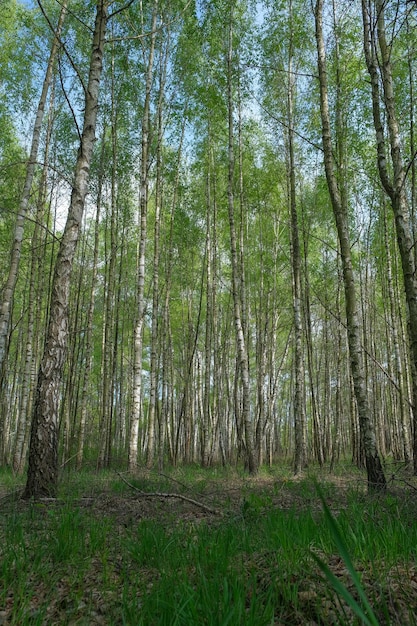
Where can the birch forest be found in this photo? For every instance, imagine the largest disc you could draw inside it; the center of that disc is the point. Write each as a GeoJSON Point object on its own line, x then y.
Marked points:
{"type": "Point", "coordinates": [208, 222]}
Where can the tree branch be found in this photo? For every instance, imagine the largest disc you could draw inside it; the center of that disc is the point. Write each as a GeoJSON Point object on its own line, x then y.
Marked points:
{"type": "Point", "coordinates": [67, 99]}
{"type": "Point", "coordinates": [158, 494]}
{"type": "Point", "coordinates": [74, 67]}
{"type": "Point", "coordinates": [123, 8]}
{"type": "Point", "coordinates": [285, 125]}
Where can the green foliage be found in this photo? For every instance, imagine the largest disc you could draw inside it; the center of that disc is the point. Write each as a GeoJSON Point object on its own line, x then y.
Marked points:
{"type": "Point", "coordinates": [18, 47]}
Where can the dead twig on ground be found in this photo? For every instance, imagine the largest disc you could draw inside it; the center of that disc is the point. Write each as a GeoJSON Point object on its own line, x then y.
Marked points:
{"type": "Point", "coordinates": [157, 494]}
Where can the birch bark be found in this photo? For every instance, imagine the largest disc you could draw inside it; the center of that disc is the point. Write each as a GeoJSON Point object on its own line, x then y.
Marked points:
{"type": "Point", "coordinates": [7, 294]}
{"type": "Point", "coordinates": [143, 207]}
{"type": "Point", "coordinates": [242, 354]}
{"type": "Point", "coordinates": [376, 477]}
{"type": "Point", "coordinates": [8, 290]}
{"type": "Point", "coordinates": [42, 479]}
{"type": "Point", "coordinates": [378, 61]}
{"type": "Point", "coordinates": [300, 449]}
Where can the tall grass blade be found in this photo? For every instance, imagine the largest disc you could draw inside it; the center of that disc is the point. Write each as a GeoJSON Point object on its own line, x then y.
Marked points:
{"type": "Point", "coordinates": [342, 591]}
{"type": "Point", "coordinates": [367, 615]}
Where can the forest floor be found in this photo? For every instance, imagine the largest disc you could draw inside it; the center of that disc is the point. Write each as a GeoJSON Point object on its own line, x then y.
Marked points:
{"type": "Point", "coordinates": [213, 547]}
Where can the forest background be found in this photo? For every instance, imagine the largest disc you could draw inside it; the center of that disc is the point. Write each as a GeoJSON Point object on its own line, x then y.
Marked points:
{"type": "Point", "coordinates": [235, 277]}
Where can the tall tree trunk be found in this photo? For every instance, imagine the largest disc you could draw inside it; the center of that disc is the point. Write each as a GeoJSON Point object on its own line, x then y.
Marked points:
{"type": "Point", "coordinates": [42, 479]}
{"type": "Point", "coordinates": [398, 364]}
{"type": "Point", "coordinates": [7, 293]}
{"type": "Point", "coordinates": [166, 426]}
{"type": "Point", "coordinates": [300, 448]}
{"type": "Point", "coordinates": [315, 410]}
{"type": "Point", "coordinates": [34, 316]}
{"type": "Point", "coordinates": [143, 209]}
{"type": "Point", "coordinates": [376, 477]}
{"type": "Point", "coordinates": [153, 374]}
{"type": "Point", "coordinates": [378, 60]}
{"type": "Point", "coordinates": [153, 367]}
{"type": "Point", "coordinates": [242, 353]}
{"type": "Point", "coordinates": [411, 55]}
{"type": "Point", "coordinates": [110, 298]}
{"type": "Point", "coordinates": [210, 426]}
{"type": "Point", "coordinates": [88, 356]}
{"type": "Point", "coordinates": [207, 418]}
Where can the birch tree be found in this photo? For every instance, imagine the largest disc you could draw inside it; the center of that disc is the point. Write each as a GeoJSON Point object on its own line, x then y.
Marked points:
{"type": "Point", "coordinates": [150, 453]}
{"type": "Point", "coordinates": [300, 452]}
{"type": "Point", "coordinates": [376, 477]}
{"type": "Point", "coordinates": [391, 166]}
{"type": "Point", "coordinates": [42, 479]}
{"type": "Point", "coordinates": [8, 289]}
{"type": "Point", "coordinates": [241, 339]}
{"type": "Point", "coordinates": [143, 216]}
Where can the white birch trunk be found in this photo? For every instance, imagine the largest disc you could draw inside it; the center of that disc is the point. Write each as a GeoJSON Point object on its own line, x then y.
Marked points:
{"type": "Point", "coordinates": [376, 478]}
{"type": "Point", "coordinates": [8, 290]}
{"type": "Point", "coordinates": [242, 354]}
{"type": "Point", "coordinates": [143, 206]}
{"type": "Point", "coordinates": [42, 477]}
{"type": "Point", "coordinates": [378, 60]}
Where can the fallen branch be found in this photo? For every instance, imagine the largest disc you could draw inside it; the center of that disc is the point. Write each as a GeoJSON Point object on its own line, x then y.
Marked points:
{"type": "Point", "coordinates": [157, 494]}
{"type": "Point", "coordinates": [401, 480]}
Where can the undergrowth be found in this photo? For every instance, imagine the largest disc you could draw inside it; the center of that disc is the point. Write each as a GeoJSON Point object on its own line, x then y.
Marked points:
{"type": "Point", "coordinates": [104, 554]}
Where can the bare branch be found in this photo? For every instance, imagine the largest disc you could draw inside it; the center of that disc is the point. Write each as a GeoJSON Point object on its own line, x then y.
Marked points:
{"type": "Point", "coordinates": [365, 350]}
{"type": "Point", "coordinates": [150, 33]}
{"type": "Point", "coordinates": [157, 494]}
{"type": "Point", "coordinates": [62, 44]}
{"type": "Point", "coordinates": [285, 125]}
{"type": "Point", "coordinates": [68, 100]}
{"type": "Point", "coordinates": [61, 4]}
{"type": "Point", "coordinates": [123, 8]}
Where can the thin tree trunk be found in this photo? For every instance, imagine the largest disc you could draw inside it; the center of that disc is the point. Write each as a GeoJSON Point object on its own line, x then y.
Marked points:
{"type": "Point", "coordinates": [338, 400]}
{"type": "Point", "coordinates": [375, 45]}
{"type": "Point", "coordinates": [398, 367]}
{"type": "Point", "coordinates": [166, 426]}
{"type": "Point", "coordinates": [212, 402]}
{"type": "Point", "coordinates": [376, 477]}
{"type": "Point", "coordinates": [143, 208]}
{"type": "Point", "coordinates": [7, 293]}
{"type": "Point", "coordinates": [89, 322]}
{"type": "Point", "coordinates": [206, 422]}
{"type": "Point", "coordinates": [110, 299]}
{"type": "Point", "coordinates": [242, 354]}
{"type": "Point", "coordinates": [411, 55]}
{"type": "Point", "coordinates": [42, 477]}
{"type": "Point", "coordinates": [28, 386]}
{"type": "Point", "coordinates": [315, 411]}
{"type": "Point", "coordinates": [153, 375]}
{"type": "Point", "coordinates": [300, 449]}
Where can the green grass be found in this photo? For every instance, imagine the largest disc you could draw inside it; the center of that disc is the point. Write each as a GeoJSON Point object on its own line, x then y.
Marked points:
{"type": "Point", "coordinates": [116, 558]}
